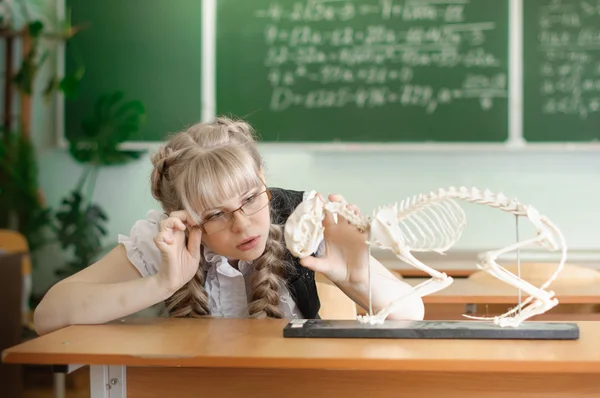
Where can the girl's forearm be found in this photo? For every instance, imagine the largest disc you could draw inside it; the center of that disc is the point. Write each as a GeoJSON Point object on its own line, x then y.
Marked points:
{"type": "Point", "coordinates": [385, 288]}
{"type": "Point", "coordinates": [70, 303]}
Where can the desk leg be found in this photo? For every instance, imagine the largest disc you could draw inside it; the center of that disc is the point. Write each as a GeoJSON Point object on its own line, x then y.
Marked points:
{"type": "Point", "coordinates": [108, 381]}
{"type": "Point", "coordinates": [59, 385]}
{"type": "Point", "coordinates": [60, 378]}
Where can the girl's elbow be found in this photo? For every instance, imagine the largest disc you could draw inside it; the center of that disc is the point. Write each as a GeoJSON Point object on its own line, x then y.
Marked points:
{"type": "Point", "coordinates": [417, 309]}
{"type": "Point", "coordinates": [45, 320]}
{"type": "Point", "coordinates": [40, 321]}
{"type": "Point", "coordinates": [412, 310]}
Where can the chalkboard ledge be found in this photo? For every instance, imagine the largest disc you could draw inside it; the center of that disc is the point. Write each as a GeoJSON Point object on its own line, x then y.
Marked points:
{"type": "Point", "coordinates": [405, 147]}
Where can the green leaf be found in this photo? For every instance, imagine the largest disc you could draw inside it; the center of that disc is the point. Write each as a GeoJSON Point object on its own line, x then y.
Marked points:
{"type": "Point", "coordinates": [114, 121]}
{"type": "Point", "coordinates": [21, 207]}
{"type": "Point", "coordinates": [70, 84]}
{"type": "Point", "coordinates": [80, 227]}
{"type": "Point", "coordinates": [35, 28]}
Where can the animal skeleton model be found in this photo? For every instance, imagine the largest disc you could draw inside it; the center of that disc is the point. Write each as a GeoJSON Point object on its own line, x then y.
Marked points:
{"type": "Point", "coordinates": [433, 222]}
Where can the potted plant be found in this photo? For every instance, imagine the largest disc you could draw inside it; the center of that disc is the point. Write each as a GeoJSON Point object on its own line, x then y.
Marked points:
{"type": "Point", "coordinates": [22, 205]}
{"type": "Point", "coordinates": [79, 223]}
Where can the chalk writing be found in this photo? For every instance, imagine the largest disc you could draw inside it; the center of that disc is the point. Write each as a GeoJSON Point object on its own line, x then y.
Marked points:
{"type": "Point", "coordinates": [569, 40]}
{"type": "Point", "coordinates": [385, 58]}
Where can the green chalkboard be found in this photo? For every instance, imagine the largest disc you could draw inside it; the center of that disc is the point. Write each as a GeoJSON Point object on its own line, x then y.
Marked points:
{"type": "Point", "coordinates": [149, 49]}
{"type": "Point", "coordinates": [365, 70]}
{"type": "Point", "coordinates": [561, 70]}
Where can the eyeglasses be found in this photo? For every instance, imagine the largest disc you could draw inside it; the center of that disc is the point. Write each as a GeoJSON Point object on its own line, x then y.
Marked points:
{"type": "Point", "coordinates": [252, 205]}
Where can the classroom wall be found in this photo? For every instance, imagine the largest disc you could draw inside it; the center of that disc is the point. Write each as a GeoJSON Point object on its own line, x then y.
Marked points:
{"type": "Point", "coordinates": [563, 185]}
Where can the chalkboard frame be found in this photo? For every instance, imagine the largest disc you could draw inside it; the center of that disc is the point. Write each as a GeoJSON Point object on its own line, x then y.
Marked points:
{"type": "Point", "coordinates": [515, 141]}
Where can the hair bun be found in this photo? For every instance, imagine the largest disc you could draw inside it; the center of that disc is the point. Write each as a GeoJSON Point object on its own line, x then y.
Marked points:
{"type": "Point", "coordinates": [235, 126]}
{"type": "Point", "coordinates": [159, 159]}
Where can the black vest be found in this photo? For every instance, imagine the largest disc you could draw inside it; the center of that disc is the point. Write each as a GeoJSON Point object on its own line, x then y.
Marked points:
{"type": "Point", "coordinates": [301, 281]}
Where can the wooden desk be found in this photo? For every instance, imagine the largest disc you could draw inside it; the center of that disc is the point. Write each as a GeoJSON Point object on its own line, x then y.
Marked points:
{"type": "Point", "coordinates": [467, 296]}
{"type": "Point", "coordinates": [462, 263]}
{"type": "Point", "coordinates": [155, 358]}
{"type": "Point", "coordinates": [466, 291]}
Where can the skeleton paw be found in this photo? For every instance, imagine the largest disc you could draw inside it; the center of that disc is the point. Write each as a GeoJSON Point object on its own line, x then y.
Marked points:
{"type": "Point", "coordinates": [512, 322]}
{"type": "Point", "coordinates": [372, 320]}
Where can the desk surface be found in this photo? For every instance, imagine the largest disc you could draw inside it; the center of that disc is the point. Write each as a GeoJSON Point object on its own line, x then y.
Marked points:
{"type": "Point", "coordinates": [464, 262]}
{"type": "Point", "coordinates": [250, 343]}
{"type": "Point", "coordinates": [464, 290]}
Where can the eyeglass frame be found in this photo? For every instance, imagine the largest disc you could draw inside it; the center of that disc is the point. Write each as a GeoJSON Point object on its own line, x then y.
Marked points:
{"type": "Point", "coordinates": [230, 213]}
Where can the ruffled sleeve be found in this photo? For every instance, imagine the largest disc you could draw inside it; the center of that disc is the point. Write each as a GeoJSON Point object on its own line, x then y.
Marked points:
{"type": "Point", "coordinates": [139, 245]}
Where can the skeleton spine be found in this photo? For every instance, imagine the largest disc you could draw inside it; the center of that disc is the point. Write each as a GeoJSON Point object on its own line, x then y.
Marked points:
{"type": "Point", "coordinates": [473, 195]}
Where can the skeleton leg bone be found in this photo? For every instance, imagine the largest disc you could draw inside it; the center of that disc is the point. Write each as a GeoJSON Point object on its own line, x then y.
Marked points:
{"type": "Point", "coordinates": [543, 299]}
{"type": "Point", "coordinates": [535, 308]}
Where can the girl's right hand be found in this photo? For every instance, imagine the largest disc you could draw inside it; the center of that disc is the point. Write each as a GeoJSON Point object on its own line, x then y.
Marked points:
{"type": "Point", "coordinates": [179, 262]}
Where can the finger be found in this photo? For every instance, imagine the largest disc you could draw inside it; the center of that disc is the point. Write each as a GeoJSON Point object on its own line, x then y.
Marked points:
{"type": "Point", "coordinates": [163, 239]}
{"type": "Point", "coordinates": [184, 216]}
{"type": "Point", "coordinates": [171, 224]}
{"type": "Point", "coordinates": [334, 197]}
{"type": "Point", "coordinates": [194, 241]}
{"type": "Point", "coordinates": [328, 219]}
{"type": "Point", "coordinates": [314, 264]}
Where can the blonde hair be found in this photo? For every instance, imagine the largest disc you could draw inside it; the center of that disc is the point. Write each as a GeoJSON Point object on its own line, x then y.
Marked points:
{"type": "Point", "coordinates": [198, 169]}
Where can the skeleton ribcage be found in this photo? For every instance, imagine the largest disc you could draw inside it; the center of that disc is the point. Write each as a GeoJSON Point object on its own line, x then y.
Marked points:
{"type": "Point", "coordinates": [430, 225]}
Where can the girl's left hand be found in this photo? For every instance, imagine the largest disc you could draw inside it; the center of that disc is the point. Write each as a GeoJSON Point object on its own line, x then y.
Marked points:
{"type": "Point", "coordinates": [346, 255]}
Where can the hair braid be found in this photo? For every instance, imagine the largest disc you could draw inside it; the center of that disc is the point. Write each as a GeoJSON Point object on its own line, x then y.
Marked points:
{"type": "Point", "coordinates": [192, 299]}
{"type": "Point", "coordinates": [267, 279]}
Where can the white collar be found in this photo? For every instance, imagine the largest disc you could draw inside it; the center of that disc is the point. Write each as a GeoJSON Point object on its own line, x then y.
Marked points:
{"type": "Point", "coordinates": [222, 263]}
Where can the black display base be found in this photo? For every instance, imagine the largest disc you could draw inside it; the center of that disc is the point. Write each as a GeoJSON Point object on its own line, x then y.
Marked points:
{"type": "Point", "coordinates": [320, 328]}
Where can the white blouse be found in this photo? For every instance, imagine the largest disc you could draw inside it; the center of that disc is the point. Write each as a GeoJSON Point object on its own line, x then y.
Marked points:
{"type": "Point", "coordinates": [228, 288]}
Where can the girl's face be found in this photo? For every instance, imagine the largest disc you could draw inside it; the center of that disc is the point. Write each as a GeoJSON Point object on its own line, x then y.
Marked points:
{"type": "Point", "coordinates": [238, 229]}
